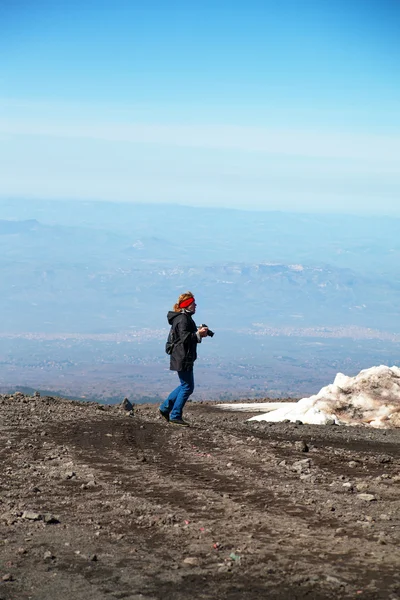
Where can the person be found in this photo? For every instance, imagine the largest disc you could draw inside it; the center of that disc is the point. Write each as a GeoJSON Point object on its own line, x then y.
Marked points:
{"type": "Point", "coordinates": [185, 335]}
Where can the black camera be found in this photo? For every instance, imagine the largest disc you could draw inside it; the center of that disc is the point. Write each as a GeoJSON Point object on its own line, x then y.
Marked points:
{"type": "Point", "coordinates": [209, 332]}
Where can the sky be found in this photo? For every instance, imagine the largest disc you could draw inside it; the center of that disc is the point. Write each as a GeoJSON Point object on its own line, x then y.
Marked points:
{"type": "Point", "coordinates": [291, 105]}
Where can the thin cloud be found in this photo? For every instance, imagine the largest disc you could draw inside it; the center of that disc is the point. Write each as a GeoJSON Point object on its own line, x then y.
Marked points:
{"type": "Point", "coordinates": [280, 142]}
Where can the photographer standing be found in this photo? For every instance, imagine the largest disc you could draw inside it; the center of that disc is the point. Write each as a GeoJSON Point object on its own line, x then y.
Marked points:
{"type": "Point", "coordinates": [182, 348]}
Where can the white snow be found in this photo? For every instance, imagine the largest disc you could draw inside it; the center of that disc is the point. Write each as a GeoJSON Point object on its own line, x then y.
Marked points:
{"type": "Point", "coordinates": [370, 398]}
{"type": "Point", "coordinates": [254, 406]}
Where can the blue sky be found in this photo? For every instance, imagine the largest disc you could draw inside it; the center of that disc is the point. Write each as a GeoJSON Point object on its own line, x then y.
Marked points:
{"type": "Point", "coordinates": [291, 105]}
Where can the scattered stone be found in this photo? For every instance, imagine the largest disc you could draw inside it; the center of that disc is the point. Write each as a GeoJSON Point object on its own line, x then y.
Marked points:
{"type": "Point", "coordinates": [90, 483]}
{"type": "Point", "coordinates": [352, 464]}
{"type": "Point", "coordinates": [339, 530]}
{"type": "Point", "coordinates": [50, 519]}
{"type": "Point", "coordinates": [362, 486]}
{"type": "Point", "coordinates": [48, 555]}
{"type": "Point", "coordinates": [192, 561]}
{"type": "Point", "coordinates": [382, 539]}
{"type": "Point", "coordinates": [301, 466]}
{"type": "Point", "coordinates": [301, 446]}
{"type": "Point", "coordinates": [30, 515]}
{"type": "Point", "coordinates": [224, 569]}
{"type": "Point", "coordinates": [7, 577]}
{"type": "Point", "coordinates": [367, 497]}
{"type": "Point", "coordinates": [8, 518]}
{"type": "Point", "coordinates": [335, 580]}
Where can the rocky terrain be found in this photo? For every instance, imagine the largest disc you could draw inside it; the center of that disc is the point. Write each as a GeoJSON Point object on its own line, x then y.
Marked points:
{"type": "Point", "coordinates": [97, 502]}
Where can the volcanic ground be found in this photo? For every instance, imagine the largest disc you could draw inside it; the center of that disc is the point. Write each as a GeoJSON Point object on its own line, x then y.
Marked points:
{"type": "Point", "coordinates": [99, 503]}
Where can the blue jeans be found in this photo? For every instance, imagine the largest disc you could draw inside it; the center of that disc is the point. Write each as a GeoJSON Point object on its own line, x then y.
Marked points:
{"type": "Point", "coordinates": [175, 402]}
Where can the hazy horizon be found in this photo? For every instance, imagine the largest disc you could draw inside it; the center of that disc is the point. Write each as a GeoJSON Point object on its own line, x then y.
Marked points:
{"type": "Point", "coordinates": [298, 210]}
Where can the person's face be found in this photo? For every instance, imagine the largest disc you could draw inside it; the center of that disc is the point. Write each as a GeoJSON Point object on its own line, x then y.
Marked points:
{"type": "Point", "coordinates": [192, 307]}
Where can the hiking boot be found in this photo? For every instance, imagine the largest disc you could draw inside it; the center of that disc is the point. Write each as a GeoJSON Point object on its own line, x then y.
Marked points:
{"type": "Point", "coordinates": [180, 422]}
{"type": "Point", "coordinates": [164, 414]}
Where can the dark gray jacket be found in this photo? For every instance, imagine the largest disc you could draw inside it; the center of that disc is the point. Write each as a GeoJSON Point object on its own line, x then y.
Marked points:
{"type": "Point", "coordinates": [186, 338]}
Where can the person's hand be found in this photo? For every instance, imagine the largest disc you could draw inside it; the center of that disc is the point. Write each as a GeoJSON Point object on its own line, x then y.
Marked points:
{"type": "Point", "coordinates": [203, 331]}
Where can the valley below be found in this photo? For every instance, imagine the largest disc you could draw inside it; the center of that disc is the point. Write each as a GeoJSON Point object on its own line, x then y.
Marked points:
{"type": "Point", "coordinates": [273, 362]}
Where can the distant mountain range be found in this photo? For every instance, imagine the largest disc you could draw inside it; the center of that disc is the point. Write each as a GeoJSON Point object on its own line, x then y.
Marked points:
{"type": "Point", "coordinates": [92, 267]}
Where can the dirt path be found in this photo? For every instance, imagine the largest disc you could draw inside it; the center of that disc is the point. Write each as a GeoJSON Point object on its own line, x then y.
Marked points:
{"type": "Point", "coordinates": [225, 509]}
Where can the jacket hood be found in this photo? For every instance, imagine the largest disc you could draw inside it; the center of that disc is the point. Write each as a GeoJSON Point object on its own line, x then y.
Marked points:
{"type": "Point", "coordinates": [172, 315]}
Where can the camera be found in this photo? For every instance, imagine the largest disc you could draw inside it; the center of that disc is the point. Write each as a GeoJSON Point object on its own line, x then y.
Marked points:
{"type": "Point", "coordinates": [209, 332]}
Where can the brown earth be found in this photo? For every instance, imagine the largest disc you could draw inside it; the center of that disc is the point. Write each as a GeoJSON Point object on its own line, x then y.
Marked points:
{"type": "Point", "coordinates": [225, 509]}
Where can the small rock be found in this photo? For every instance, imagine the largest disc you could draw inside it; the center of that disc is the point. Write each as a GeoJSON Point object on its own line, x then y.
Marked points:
{"type": "Point", "coordinates": [301, 446]}
{"type": "Point", "coordinates": [93, 557]}
{"type": "Point", "coordinates": [382, 541]}
{"type": "Point", "coordinates": [70, 474]}
{"type": "Point", "coordinates": [300, 466]}
{"type": "Point", "coordinates": [48, 555]}
{"type": "Point", "coordinates": [7, 577]}
{"type": "Point", "coordinates": [335, 580]}
{"type": "Point", "coordinates": [362, 486]}
{"type": "Point", "coordinates": [50, 519]}
{"type": "Point", "coordinates": [352, 464]}
{"type": "Point", "coordinates": [223, 569]}
{"type": "Point", "coordinates": [191, 561]}
{"type": "Point", "coordinates": [31, 515]}
{"type": "Point", "coordinates": [367, 497]}
{"type": "Point", "coordinates": [339, 530]}
{"type": "Point", "coordinates": [385, 517]}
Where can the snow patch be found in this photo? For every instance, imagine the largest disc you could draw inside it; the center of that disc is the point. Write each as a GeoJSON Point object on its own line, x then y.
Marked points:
{"type": "Point", "coordinates": [370, 398]}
